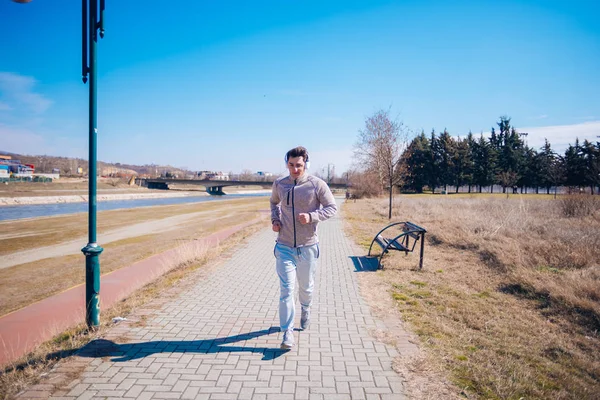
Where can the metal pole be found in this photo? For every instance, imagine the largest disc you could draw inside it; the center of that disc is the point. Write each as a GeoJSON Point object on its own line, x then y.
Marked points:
{"type": "Point", "coordinates": [422, 250]}
{"type": "Point", "coordinates": [92, 250]}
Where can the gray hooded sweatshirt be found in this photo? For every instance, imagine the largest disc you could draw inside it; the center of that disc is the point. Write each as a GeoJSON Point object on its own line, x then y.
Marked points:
{"type": "Point", "coordinates": [305, 195]}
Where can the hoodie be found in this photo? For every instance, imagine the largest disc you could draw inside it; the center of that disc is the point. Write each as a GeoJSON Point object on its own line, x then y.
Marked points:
{"type": "Point", "coordinates": [307, 194]}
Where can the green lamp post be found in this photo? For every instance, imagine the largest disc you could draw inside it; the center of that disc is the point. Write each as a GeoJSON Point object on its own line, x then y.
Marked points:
{"type": "Point", "coordinates": [91, 27]}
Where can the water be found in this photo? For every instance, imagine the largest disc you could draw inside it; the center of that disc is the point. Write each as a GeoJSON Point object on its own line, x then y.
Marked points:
{"type": "Point", "coordinates": [47, 210]}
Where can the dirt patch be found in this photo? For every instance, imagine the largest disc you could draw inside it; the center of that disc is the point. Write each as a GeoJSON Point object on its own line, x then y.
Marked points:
{"type": "Point", "coordinates": [423, 380]}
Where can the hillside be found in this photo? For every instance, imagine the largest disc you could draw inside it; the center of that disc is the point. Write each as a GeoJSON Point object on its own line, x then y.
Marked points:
{"type": "Point", "coordinates": [69, 166]}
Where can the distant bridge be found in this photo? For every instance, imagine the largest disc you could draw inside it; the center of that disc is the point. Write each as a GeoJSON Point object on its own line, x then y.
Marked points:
{"type": "Point", "coordinates": [212, 186]}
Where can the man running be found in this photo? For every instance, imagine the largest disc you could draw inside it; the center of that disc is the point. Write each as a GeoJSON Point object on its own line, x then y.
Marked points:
{"type": "Point", "coordinates": [299, 202]}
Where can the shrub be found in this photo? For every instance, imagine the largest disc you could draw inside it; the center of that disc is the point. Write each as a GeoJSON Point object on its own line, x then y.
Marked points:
{"type": "Point", "coordinates": [578, 205]}
{"type": "Point", "coordinates": [365, 184]}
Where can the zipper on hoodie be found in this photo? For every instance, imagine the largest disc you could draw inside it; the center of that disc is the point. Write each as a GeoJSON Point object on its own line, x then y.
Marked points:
{"type": "Point", "coordinates": [293, 212]}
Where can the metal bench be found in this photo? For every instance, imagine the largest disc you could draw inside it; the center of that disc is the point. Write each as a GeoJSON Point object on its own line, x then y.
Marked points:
{"type": "Point", "coordinates": [405, 241]}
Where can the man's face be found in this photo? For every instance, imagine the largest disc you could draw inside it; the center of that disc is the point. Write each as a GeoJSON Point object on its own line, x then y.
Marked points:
{"type": "Point", "coordinates": [296, 167]}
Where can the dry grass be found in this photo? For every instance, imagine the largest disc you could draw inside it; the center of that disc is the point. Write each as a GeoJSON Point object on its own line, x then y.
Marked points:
{"type": "Point", "coordinates": [65, 187]}
{"type": "Point", "coordinates": [191, 263]}
{"type": "Point", "coordinates": [24, 284]}
{"type": "Point", "coordinates": [508, 301]}
{"type": "Point", "coordinates": [27, 234]}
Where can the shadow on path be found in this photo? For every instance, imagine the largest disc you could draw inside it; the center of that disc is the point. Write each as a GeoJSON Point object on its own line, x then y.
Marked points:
{"type": "Point", "coordinates": [364, 263]}
{"type": "Point", "coordinates": [133, 351]}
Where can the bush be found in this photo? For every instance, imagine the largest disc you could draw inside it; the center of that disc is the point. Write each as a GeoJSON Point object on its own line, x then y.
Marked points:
{"type": "Point", "coordinates": [578, 205]}
{"type": "Point", "coordinates": [364, 184]}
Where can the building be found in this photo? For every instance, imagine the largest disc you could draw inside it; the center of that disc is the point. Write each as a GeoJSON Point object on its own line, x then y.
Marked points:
{"type": "Point", "coordinates": [213, 176]}
{"type": "Point", "coordinates": [218, 176]}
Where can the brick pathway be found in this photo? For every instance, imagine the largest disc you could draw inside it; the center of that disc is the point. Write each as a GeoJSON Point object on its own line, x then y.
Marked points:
{"type": "Point", "coordinates": [219, 339]}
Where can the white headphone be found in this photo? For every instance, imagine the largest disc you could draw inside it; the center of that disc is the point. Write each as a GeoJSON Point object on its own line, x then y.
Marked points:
{"type": "Point", "coordinates": [306, 162]}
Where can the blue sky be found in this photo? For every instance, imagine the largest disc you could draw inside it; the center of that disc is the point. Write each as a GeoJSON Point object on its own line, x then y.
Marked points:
{"type": "Point", "coordinates": [232, 85]}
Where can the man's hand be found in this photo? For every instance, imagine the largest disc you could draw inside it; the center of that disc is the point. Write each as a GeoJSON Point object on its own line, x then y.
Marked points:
{"type": "Point", "coordinates": [276, 226]}
{"type": "Point", "coordinates": [304, 218]}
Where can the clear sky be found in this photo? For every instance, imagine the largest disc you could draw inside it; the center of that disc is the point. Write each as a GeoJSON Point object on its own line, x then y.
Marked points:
{"type": "Point", "coordinates": [232, 85]}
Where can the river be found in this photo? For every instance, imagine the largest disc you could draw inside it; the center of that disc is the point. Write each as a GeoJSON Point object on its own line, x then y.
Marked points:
{"type": "Point", "coordinates": [48, 210]}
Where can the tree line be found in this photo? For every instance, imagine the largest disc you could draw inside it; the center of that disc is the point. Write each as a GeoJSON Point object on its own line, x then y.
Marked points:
{"type": "Point", "coordinates": [437, 161]}
{"type": "Point", "coordinates": [387, 159]}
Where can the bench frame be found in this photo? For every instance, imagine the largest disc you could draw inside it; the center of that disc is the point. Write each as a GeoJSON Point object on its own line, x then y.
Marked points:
{"type": "Point", "coordinates": [406, 241]}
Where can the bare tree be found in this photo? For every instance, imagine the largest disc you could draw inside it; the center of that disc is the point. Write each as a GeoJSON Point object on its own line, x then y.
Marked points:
{"type": "Point", "coordinates": [73, 165]}
{"type": "Point", "coordinates": [330, 173]}
{"type": "Point", "coordinates": [508, 179]}
{"type": "Point", "coordinates": [364, 183]}
{"type": "Point", "coordinates": [380, 146]}
{"type": "Point", "coordinates": [247, 175]}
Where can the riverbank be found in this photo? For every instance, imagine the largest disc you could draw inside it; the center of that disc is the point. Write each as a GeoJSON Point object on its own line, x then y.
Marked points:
{"type": "Point", "coordinates": [83, 198]}
{"type": "Point", "coordinates": [42, 256]}
{"type": "Point", "coordinates": [74, 198]}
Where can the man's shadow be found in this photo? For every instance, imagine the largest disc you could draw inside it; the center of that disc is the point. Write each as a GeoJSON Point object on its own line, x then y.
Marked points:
{"type": "Point", "coordinates": [134, 351]}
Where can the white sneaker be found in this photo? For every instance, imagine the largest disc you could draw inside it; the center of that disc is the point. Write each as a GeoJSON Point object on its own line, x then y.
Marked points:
{"type": "Point", "coordinates": [305, 319]}
{"type": "Point", "coordinates": [288, 340]}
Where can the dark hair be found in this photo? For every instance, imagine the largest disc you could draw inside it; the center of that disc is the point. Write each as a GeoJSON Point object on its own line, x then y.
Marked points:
{"type": "Point", "coordinates": [297, 152]}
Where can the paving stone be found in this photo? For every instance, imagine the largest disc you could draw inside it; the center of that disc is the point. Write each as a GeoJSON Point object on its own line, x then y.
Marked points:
{"type": "Point", "coordinates": [35, 394]}
{"type": "Point", "coordinates": [219, 338]}
{"type": "Point", "coordinates": [134, 391]}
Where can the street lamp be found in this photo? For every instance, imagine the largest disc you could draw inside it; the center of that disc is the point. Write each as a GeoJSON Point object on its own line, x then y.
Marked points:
{"type": "Point", "coordinates": [91, 25]}
{"type": "Point", "coordinates": [91, 250]}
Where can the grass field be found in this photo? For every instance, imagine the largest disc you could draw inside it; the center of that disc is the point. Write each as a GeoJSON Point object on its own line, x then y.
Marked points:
{"type": "Point", "coordinates": [26, 283]}
{"type": "Point", "coordinates": [508, 301]}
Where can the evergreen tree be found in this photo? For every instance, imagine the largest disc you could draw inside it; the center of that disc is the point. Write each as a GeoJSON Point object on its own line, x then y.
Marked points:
{"type": "Point", "coordinates": [484, 163]}
{"type": "Point", "coordinates": [461, 160]}
{"type": "Point", "coordinates": [502, 159]}
{"type": "Point", "coordinates": [591, 164]}
{"type": "Point", "coordinates": [557, 172]}
{"type": "Point", "coordinates": [574, 165]}
{"type": "Point", "coordinates": [435, 157]}
{"type": "Point", "coordinates": [447, 149]}
{"type": "Point", "coordinates": [469, 172]}
{"type": "Point", "coordinates": [416, 160]}
{"type": "Point", "coordinates": [529, 174]}
{"type": "Point", "coordinates": [546, 160]}
{"type": "Point", "coordinates": [510, 150]}
{"type": "Point", "coordinates": [494, 152]}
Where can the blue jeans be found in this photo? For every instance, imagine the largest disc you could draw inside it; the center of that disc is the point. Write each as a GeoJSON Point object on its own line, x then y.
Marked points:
{"type": "Point", "coordinates": [292, 263]}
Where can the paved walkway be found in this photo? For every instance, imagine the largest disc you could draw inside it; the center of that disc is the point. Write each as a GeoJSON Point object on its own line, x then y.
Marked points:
{"type": "Point", "coordinates": [219, 339]}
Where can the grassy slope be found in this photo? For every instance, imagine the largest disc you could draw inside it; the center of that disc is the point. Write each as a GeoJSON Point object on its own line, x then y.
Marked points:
{"type": "Point", "coordinates": [26, 283]}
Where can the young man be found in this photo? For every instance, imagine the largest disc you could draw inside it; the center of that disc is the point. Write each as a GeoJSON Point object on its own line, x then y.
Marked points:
{"type": "Point", "coordinates": [296, 202]}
